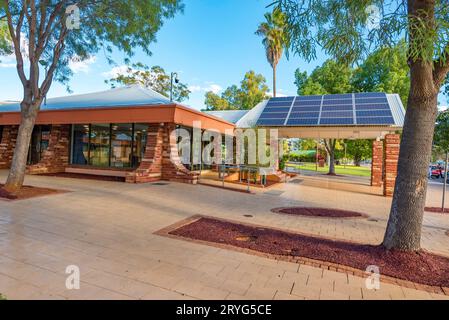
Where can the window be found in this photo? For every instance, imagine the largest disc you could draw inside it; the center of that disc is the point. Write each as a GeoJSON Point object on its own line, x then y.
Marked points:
{"type": "Point", "coordinates": [140, 142]}
{"type": "Point", "coordinates": [109, 145]}
{"type": "Point", "coordinates": [122, 144]}
{"type": "Point", "coordinates": [99, 146]}
{"type": "Point", "coordinates": [1, 133]}
{"type": "Point", "coordinates": [80, 148]}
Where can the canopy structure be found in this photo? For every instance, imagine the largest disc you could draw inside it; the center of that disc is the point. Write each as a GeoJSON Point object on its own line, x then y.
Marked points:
{"type": "Point", "coordinates": [339, 116]}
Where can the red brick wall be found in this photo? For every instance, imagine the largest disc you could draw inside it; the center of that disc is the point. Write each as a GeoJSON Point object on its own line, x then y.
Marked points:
{"type": "Point", "coordinates": [161, 160]}
{"type": "Point", "coordinates": [377, 164]}
{"type": "Point", "coordinates": [56, 157]}
{"type": "Point", "coordinates": [392, 144]}
{"type": "Point", "coordinates": [7, 145]}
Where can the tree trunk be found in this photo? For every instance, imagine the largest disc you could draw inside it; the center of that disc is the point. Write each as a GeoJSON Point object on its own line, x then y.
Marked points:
{"type": "Point", "coordinates": [406, 214]}
{"type": "Point", "coordinates": [18, 166]}
{"type": "Point", "coordinates": [330, 148]}
{"type": "Point", "coordinates": [274, 80]}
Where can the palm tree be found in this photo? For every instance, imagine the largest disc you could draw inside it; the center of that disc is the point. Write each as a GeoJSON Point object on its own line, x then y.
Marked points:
{"type": "Point", "coordinates": [275, 39]}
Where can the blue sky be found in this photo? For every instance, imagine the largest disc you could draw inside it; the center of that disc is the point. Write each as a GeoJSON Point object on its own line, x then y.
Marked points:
{"type": "Point", "coordinates": [211, 46]}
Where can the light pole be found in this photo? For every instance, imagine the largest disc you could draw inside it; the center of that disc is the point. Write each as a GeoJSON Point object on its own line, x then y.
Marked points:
{"type": "Point", "coordinates": [173, 76]}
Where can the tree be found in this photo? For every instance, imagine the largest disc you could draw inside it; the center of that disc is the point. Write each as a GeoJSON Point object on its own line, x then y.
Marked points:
{"type": "Point", "coordinates": [274, 39]}
{"type": "Point", "coordinates": [359, 150]}
{"type": "Point", "coordinates": [5, 42]}
{"type": "Point", "coordinates": [441, 135]}
{"type": "Point", "coordinates": [58, 32]}
{"type": "Point", "coordinates": [252, 91]}
{"type": "Point", "coordinates": [330, 78]}
{"type": "Point", "coordinates": [347, 30]}
{"type": "Point", "coordinates": [384, 70]}
{"type": "Point", "coordinates": [154, 78]}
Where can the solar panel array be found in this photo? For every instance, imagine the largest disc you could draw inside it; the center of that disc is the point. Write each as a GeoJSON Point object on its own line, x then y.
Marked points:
{"type": "Point", "coordinates": [331, 110]}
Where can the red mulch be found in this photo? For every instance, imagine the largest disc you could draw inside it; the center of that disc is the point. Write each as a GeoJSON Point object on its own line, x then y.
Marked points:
{"type": "Point", "coordinates": [84, 176]}
{"type": "Point", "coordinates": [27, 192]}
{"type": "Point", "coordinates": [318, 212]}
{"type": "Point", "coordinates": [420, 267]}
{"type": "Point", "coordinates": [436, 210]}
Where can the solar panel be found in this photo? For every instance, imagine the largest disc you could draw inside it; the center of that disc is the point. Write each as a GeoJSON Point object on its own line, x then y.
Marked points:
{"type": "Point", "coordinates": [270, 122]}
{"type": "Point", "coordinates": [337, 114]}
{"type": "Point", "coordinates": [339, 109]}
{"type": "Point", "coordinates": [337, 121]}
{"type": "Point", "coordinates": [374, 113]}
{"type": "Point", "coordinates": [298, 115]}
{"type": "Point", "coordinates": [376, 120]}
{"type": "Point", "coordinates": [297, 122]}
{"type": "Point", "coordinates": [277, 115]}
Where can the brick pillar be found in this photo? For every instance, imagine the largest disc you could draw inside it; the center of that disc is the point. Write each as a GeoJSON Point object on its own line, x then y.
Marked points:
{"type": "Point", "coordinates": [377, 164]}
{"type": "Point", "coordinates": [7, 145]}
{"type": "Point", "coordinates": [161, 160]}
{"type": "Point", "coordinates": [56, 157]}
{"type": "Point", "coordinates": [392, 144]}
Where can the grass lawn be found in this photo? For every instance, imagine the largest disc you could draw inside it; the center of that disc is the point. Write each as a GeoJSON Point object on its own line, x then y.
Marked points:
{"type": "Point", "coordinates": [349, 170]}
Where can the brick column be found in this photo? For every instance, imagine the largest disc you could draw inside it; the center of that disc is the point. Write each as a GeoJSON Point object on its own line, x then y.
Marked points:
{"type": "Point", "coordinates": [56, 157]}
{"type": "Point", "coordinates": [392, 144]}
{"type": "Point", "coordinates": [7, 145]}
{"type": "Point", "coordinates": [161, 160]}
{"type": "Point", "coordinates": [377, 164]}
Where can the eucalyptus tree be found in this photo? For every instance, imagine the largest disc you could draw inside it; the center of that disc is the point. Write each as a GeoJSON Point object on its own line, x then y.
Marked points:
{"type": "Point", "coordinates": [47, 34]}
{"type": "Point", "coordinates": [275, 40]}
{"type": "Point", "coordinates": [348, 31]}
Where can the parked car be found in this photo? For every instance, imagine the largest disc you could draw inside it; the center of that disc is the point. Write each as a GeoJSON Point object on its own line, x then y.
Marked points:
{"type": "Point", "coordinates": [436, 172]}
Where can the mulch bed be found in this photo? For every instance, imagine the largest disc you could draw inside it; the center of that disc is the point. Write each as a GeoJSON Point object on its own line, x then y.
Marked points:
{"type": "Point", "coordinates": [318, 212]}
{"type": "Point", "coordinates": [436, 210]}
{"type": "Point", "coordinates": [84, 176]}
{"type": "Point", "coordinates": [418, 267]}
{"type": "Point", "coordinates": [27, 192]}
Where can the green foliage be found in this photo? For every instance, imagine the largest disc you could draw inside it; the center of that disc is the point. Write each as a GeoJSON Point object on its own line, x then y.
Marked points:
{"type": "Point", "coordinates": [125, 25]}
{"type": "Point", "coordinates": [253, 90]}
{"type": "Point", "coordinates": [330, 78]}
{"type": "Point", "coordinates": [441, 135]}
{"type": "Point", "coordinates": [308, 144]}
{"type": "Point", "coordinates": [359, 150]}
{"type": "Point", "coordinates": [5, 42]}
{"type": "Point", "coordinates": [2, 297]}
{"type": "Point", "coordinates": [154, 78]}
{"type": "Point", "coordinates": [348, 31]}
{"type": "Point", "coordinates": [302, 156]}
{"type": "Point", "coordinates": [275, 37]}
{"type": "Point", "coordinates": [385, 70]}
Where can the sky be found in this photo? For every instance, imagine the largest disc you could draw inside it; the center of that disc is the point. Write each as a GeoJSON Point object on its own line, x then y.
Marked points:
{"type": "Point", "coordinates": [211, 46]}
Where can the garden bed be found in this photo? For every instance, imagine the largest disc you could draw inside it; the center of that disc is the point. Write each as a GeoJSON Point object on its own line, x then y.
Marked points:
{"type": "Point", "coordinates": [27, 192]}
{"type": "Point", "coordinates": [418, 267]}
{"type": "Point", "coordinates": [318, 212]}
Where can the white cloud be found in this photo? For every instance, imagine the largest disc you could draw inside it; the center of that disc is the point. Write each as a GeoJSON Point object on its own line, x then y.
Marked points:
{"type": "Point", "coordinates": [208, 86]}
{"type": "Point", "coordinates": [116, 71]}
{"type": "Point", "coordinates": [77, 65]}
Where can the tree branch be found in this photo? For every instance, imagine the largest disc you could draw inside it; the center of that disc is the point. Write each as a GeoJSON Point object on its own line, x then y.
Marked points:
{"type": "Point", "coordinates": [441, 68]}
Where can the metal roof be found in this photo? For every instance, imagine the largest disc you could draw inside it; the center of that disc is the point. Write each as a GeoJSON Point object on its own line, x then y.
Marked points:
{"type": "Point", "coordinates": [134, 95]}
{"type": "Point", "coordinates": [229, 115]}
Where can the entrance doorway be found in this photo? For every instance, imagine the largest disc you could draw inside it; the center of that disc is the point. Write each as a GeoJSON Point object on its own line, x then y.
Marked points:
{"type": "Point", "coordinates": [38, 144]}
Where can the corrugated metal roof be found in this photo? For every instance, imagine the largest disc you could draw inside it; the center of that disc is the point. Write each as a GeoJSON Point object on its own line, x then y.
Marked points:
{"type": "Point", "coordinates": [228, 115]}
{"type": "Point", "coordinates": [397, 109]}
{"type": "Point", "coordinates": [134, 95]}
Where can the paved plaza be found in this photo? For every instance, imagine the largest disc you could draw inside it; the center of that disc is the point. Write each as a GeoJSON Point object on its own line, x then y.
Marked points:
{"type": "Point", "coordinates": [107, 230]}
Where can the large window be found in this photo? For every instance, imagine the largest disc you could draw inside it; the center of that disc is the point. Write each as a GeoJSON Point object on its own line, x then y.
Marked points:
{"type": "Point", "coordinates": [80, 144]}
{"type": "Point", "coordinates": [100, 140]}
{"type": "Point", "coordinates": [40, 138]}
{"type": "Point", "coordinates": [122, 145]}
{"type": "Point", "coordinates": [109, 145]}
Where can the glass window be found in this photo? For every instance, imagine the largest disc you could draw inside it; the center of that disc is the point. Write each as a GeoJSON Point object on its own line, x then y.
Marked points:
{"type": "Point", "coordinates": [140, 142]}
{"type": "Point", "coordinates": [1, 133]}
{"type": "Point", "coordinates": [122, 137]}
{"type": "Point", "coordinates": [80, 149]}
{"type": "Point", "coordinates": [99, 145]}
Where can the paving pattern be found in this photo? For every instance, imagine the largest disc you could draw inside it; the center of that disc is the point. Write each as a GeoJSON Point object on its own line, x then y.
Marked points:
{"type": "Point", "coordinates": [107, 230]}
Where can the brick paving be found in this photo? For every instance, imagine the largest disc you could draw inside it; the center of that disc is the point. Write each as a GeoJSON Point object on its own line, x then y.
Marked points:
{"type": "Point", "coordinates": [108, 230]}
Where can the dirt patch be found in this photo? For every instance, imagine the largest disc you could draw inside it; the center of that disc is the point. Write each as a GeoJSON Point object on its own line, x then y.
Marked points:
{"type": "Point", "coordinates": [437, 210]}
{"type": "Point", "coordinates": [318, 212]}
{"type": "Point", "coordinates": [418, 267]}
{"type": "Point", "coordinates": [84, 176]}
{"type": "Point", "coordinates": [27, 192]}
